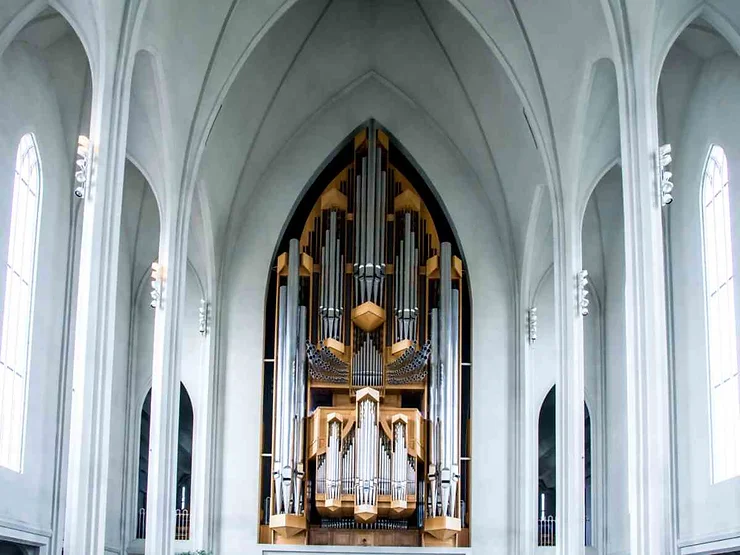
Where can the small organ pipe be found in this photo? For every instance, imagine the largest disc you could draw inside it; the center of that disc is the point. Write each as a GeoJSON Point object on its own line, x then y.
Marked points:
{"type": "Point", "coordinates": [300, 412]}
{"type": "Point", "coordinates": [279, 417]}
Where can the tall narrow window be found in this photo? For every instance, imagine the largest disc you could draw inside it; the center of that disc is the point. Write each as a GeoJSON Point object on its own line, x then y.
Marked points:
{"type": "Point", "coordinates": [720, 299]}
{"type": "Point", "coordinates": [17, 306]}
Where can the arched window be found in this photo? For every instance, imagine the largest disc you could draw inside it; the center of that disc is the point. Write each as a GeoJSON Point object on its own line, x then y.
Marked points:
{"type": "Point", "coordinates": [720, 308]}
{"type": "Point", "coordinates": [547, 475]}
{"type": "Point", "coordinates": [18, 303]}
{"type": "Point", "coordinates": [184, 467]}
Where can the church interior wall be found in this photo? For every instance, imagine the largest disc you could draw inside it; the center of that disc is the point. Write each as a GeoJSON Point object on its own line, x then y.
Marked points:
{"type": "Point", "coordinates": [706, 511]}
{"type": "Point", "coordinates": [603, 256]}
{"type": "Point", "coordinates": [485, 179]}
{"type": "Point", "coordinates": [34, 99]}
{"type": "Point", "coordinates": [133, 347]}
{"type": "Point", "coordinates": [245, 294]}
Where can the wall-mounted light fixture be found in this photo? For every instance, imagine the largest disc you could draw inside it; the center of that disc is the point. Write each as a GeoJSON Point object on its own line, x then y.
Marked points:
{"type": "Point", "coordinates": [532, 324]}
{"type": "Point", "coordinates": [665, 183]}
{"type": "Point", "coordinates": [82, 166]}
{"type": "Point", "coordinates": [203, 315]}
{"type": "Point", "coordinates": [157, 285]}
{"type": "Point", "coordinates": [582, 284]}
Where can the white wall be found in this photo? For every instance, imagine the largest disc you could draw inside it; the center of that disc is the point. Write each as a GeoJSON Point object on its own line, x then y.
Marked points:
{"type": "Point", "coordinates": [28, 103]}
{"type": "Point", "coordinates": [605, 385]}
{"type": "Point", "coordinates": [706, 511]}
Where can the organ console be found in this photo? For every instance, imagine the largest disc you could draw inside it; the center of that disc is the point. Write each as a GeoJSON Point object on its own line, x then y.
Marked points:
{"type": "Point", "coordinates": [366, 412]}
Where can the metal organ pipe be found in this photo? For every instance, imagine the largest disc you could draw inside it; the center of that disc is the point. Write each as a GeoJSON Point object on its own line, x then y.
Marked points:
{"type": "Point", "coordinates": [300, 410]}
{"type": "Point", "coordinates": [291, 392]}
{"type": "Point", "coordinates": [370, 209]}
{"type": "Point", "coordinates": [434, 409]}
{"type": "Point", "coordinates": [333, 470]}
{"type": "Point", "coordinates": [444, 393]}
{"type": "Point", "coordinates": [400, 456]}
{"type": "Point", "coordinates": [406, 284]}
{"type": "Point", "coordinates": [367, 453]}
{"type": "Point", "coordinates": [331, 305]}
{"type": "Point", "coordinates": [455, 386]}
{"type": "Point", "coordinates": [277, 456]}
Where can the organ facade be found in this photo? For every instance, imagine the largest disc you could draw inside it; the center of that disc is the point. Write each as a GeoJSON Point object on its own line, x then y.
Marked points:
{"type": "Point", "coordinates": [366, 400]}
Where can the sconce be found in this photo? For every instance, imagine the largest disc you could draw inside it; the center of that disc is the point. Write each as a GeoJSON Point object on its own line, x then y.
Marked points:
{"type": "Point", "coordinates": [532, 324]}
{"type": "Point", "coordinates": [82, 163]}
{"type": "Point", "coordinates": [203, 314]}
{"type": "Point", "coordinates": [582, 283]}
{"type": "Point", "coordinates": [157, 285]}
{"type": "Point", "coordinates": [666, 185]}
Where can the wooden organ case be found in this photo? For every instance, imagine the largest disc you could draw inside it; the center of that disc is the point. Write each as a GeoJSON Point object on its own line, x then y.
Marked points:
{"type": "Point", "coordinates": [366, 424]}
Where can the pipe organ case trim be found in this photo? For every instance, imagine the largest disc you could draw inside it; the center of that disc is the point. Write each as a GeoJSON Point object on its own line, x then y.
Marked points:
{"type": "Point", "coordinates": [366, 420]}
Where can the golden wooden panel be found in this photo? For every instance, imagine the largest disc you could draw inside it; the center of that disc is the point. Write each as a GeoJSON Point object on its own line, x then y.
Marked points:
{"type": "Point", "coordinates": [336, 347]}
{"type": "Point", "coordinates": [368, 316]}
{"type": "Point", "coordinates": [432, 267]}
{"type": "Point", "coordinates": [383, 139]}
{"type": "Point", "coordinates": [366, 513]}
{"type": "Point", "coordinates": [305, 268]}
{"type": "Point", "coordinates": [442, 527]}
{"type": "Point", "coordinates": [287, 526]}
{"type": "Point", "coordinates": [265, 534]}
{"type": "Point", "coordinates": [333, 199]}
{"type": "Point", "coordinates": [368, 392]}
{"type": "Point", "coordinates": [398, 348]}
{"type": "Point", "coordinates": [407, 200]}
{"type": "Point", "coordinates": [376, 538]}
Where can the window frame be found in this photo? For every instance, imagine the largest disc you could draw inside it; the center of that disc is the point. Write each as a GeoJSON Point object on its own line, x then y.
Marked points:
{"type": "Point", "coordinates": [31, 149]}
{"type": "Point", "coordinates": [706, 179]}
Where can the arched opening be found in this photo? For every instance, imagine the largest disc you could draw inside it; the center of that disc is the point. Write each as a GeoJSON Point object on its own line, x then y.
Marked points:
{"type": "Point", "coordinates": [698, 99]}
{"type": "Point", "coordinates": [376, 262]}
{"type": "Point", "coordinates": [184, 466]}
{"type": "Point", "coordinates": [45, 105]}
{"type": "Point", "coordinates": [547, 472]}
{"type": "Point", "coordinates": [7, 548]}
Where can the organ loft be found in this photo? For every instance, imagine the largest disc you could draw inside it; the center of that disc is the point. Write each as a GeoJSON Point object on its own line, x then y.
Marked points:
{"type": "Point", "coordinates": [366, 404]}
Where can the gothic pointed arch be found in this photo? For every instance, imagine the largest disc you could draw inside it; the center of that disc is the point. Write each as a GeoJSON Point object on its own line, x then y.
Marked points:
{"type": "Point", "coordinates": [366, 276]}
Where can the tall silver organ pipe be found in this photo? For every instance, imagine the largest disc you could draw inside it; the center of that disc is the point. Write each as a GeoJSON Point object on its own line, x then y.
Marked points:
{"type": "Point", "coordinates": [367, 453]}
{"type": "Point", "coordinates": [434, 407]}
{"type": "Point", "coordinates": [290, 392]}
{"type": "Point", "coordinates": [444, 408]}
{"type": "Point", "coordinates": [331, 306]}
{"type": "Point", "coordinates": [400, 461]}
{"type": "Point", "coordinates": [280, 407]}
{"type": "Point", "coordinates": [333, 468]}
{"type": "Point", "coordinates": [406, 282]}
{"type": "Point", "coordinates": [369, 222]}
{"type": "Point", "coordinates": [299, 428]}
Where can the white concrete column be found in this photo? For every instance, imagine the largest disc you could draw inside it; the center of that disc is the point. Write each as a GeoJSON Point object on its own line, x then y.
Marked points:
{"type": "Point", "coordinates": [570, 386]}
{"type": "Point", "coordinates": [647, 410]}
{"type": "Point", "coordinates": [203, 443]}
{"type": "Point", "coordinates": [164, 416]}
{"type": "Point", "coordinates": [94, 324]}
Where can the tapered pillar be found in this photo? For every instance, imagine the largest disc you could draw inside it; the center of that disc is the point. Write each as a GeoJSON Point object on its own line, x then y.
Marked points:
{"type": "Point", "coordinates": [163, 427]}
{"type": "Point", "coordinates": [646, 360]}
{"type": "Point", "coordinates": [92, 374]}
{"type": "Point", "coordinates": [569, 391]}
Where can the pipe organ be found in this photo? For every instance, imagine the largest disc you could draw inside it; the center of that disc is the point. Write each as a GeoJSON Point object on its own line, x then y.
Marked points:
{"type": "Point", "coordinates": [367, 398]}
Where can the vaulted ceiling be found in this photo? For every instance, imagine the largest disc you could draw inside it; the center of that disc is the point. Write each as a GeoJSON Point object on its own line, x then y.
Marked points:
{"type": "Point", "coordinates": [500, 79]}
